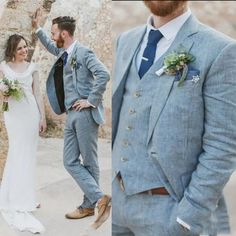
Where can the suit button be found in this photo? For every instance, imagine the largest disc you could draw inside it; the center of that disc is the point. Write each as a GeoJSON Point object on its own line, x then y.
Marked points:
{"type": "Point", "coordinates": [124, 159]}
{"type": "Point", "coordinates": [129, 127]}
{"type": "Point", "coordinates": [126, 143]}
{"type": "Point", "coordinates": [137, 94]}
{"type": "Point", "coordinates": [131, 111]}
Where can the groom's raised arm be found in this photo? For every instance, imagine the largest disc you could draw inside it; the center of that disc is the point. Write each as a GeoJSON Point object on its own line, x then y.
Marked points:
{"type": "Point", "coordinates": [47, 42]}
{"type": "Point", "coordinates": [42, 35]}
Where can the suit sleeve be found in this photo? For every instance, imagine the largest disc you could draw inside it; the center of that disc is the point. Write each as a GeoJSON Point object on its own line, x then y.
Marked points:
{"type": "Point", "coordinates": [218, 157]}
{"type": "Point", "coordinates": [101, 75]}
{"type": "Point", "coordinates": [47, 42]}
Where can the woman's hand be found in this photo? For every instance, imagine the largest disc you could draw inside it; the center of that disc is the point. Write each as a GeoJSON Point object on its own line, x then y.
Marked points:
{"type": "Point", "coordinates": [42, 125]}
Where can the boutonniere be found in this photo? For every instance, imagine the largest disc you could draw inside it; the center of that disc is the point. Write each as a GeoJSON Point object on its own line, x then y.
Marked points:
{"type": "Point", "coordinates": [74, 64]}
{"type": "Point", "coordinates": [177, 62]}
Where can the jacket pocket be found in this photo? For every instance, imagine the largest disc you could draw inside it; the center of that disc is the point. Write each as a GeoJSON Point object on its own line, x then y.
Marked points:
{"type": "Point", "coordinates": [190, 75]}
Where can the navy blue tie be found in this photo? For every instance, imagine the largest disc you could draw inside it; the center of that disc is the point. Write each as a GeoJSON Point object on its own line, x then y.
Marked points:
{"type": "Point", "coordinates": [154, 37]}
{"type": "Point", "coordinates": [64, 57]}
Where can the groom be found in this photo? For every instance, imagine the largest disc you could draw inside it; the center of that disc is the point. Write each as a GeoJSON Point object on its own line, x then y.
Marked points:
{"type": "Point", "coordinates": [75, 85]}
{"type": "Point", "coordinates": [174, 128]}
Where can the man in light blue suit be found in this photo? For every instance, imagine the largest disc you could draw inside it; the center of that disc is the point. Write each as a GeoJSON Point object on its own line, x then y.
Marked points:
{"type": "Point", "coordinates": [174, 125]}
{"type": "Point", "coordinates": [75, 85]}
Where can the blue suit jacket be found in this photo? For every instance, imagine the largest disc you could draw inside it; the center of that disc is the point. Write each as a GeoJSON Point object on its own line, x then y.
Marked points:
{"type": "Point", "coordinates": [192, 129]}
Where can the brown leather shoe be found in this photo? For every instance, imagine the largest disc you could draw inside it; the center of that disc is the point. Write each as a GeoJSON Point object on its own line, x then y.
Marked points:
{"type": "Point", "coordinates": [80, 213]}
{"type": "Point", "coordinates": [104, 208]}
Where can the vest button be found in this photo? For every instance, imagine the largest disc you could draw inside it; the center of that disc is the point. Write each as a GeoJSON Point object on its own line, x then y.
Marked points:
{"type": "Point", "coordinates": [129, 128]}
{"type": "Point", "coordinates": [131, 111]}
{"type": "Point", "coordinates": [124, 159]}
{"type": "Point", "coordinates": [126, 143]}
{"type": "Point", "coordinates": [137, 94]}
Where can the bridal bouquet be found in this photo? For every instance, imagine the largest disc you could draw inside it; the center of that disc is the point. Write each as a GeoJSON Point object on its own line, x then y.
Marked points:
{"type": "Point", "coordinates": [10, 88]}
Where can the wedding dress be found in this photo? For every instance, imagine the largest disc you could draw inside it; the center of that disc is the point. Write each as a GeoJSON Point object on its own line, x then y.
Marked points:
{"type": "Point", "coordinates": [17, 190]}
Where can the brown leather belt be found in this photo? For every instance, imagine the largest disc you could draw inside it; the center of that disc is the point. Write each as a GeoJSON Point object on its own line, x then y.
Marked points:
{"type": "Point", "coordinates": [155, 191]}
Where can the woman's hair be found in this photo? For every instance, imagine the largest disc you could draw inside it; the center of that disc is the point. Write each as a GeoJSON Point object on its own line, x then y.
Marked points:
{"type": "Point", "coordinates": [11, 46]}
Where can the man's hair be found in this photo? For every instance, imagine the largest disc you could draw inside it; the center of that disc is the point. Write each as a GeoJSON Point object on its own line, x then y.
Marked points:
{"type": "Point", "coordinates": [65, 23]}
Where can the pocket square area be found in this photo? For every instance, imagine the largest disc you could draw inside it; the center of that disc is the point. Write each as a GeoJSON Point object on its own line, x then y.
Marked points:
{"type": "Point", "coordinates": [193, 74]}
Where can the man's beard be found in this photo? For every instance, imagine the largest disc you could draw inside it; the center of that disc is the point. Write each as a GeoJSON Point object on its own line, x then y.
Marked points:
{"type": "Point", "coordinates": [60, 42]}
{"type": "Point", "coordinates": [163, 8]}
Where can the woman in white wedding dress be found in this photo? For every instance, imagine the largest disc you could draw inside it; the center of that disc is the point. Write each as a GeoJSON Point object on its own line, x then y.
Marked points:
{"type": "Point", "coordinates": [24, 120]}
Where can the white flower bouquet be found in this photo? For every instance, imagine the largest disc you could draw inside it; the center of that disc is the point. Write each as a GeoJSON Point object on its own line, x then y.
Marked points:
{"type": "Point", "coordinates": [10, 88]}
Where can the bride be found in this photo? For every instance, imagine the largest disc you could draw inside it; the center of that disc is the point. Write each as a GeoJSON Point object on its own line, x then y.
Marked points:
{"type": "Point", "coordinates": [24, 120]}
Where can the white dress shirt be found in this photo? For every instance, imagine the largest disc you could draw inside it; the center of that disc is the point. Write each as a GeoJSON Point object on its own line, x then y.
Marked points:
{"type": "Point", "coordinates": [70, 49]}
{"type": "Point", "coordinates": [169, 32]}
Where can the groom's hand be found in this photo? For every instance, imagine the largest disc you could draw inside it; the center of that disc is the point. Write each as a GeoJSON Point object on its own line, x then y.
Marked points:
{"type": "Point", "coordinates": [81, 104]}
{"type": "Point", "coordinates": [36, 18]}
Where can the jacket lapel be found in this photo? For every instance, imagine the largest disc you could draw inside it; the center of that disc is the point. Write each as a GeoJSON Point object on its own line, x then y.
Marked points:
{"type": "Point", "coordinates": [128, 52]}
{"type": "Point", "coordinates": [165, 82]}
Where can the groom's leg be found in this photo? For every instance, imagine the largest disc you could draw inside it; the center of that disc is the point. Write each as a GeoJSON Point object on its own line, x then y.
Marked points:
{"type": "Point", "coordinates": [78, 123]}
{"type": "Point", "coordinates": [86, 203]}
{"type": "Point", "coordinates": [87, 136]}
{"type": "Point", "coordinates": [89, 155]}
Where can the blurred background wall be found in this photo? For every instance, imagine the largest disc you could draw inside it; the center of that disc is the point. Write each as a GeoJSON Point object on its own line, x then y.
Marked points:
{"type": "Point", "coordinates": [218, 14]}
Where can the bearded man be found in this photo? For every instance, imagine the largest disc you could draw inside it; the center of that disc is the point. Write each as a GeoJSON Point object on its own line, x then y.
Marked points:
{"type": "Point", "coordinates": [75, 85]}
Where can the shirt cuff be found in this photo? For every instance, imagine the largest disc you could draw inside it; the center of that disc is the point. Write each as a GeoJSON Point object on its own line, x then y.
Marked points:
{"type": "Point", "coordinates": [90, 104]}
{"type": "Point", "coordinates": [184, 224]}
{"type": "Point", "coordinates": [37, 30]}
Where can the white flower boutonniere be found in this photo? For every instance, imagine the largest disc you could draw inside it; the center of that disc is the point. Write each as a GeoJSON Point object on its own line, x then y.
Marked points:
{"type": "Point", "coordinates": [177, 62]}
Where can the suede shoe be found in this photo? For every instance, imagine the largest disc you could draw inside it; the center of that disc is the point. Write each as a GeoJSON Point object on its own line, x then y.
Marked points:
{"type": "Point", "coordinates": [80, 213]}
{"type": "Point", "coordinates": [104, 208]}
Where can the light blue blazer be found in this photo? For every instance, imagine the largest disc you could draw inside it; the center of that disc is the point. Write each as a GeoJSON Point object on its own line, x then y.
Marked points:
{"type": "Point", "coordinates": [192, 129]}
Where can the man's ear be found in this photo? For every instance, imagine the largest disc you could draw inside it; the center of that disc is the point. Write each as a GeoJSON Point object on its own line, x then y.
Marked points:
{"type": "Point", "coordinates": [64, 34]}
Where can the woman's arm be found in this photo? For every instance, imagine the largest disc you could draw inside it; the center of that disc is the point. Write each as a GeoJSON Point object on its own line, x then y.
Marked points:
{"type": "Point", "coordinates": [39, 100]}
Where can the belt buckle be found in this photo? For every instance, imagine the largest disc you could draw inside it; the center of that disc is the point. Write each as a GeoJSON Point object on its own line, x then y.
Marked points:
{"type": "Point", "coordinates": [149, 192]}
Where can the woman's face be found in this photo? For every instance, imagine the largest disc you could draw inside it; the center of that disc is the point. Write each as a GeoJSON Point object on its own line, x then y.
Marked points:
{"type": "Point", "coordinates": [21, 50]}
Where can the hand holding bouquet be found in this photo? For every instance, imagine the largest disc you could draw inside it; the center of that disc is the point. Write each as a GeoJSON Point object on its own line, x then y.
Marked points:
{"type": "Point", "coordinates": [10, 88]}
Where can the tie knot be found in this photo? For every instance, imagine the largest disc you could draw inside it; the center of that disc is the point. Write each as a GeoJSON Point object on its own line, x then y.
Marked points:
{"type": "Point", "coordinates": [154, 36]}
{"type": "Point", "coordinates": [64, 57]}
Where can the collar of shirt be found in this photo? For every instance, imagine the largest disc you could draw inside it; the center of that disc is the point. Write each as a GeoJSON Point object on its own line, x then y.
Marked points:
{"type": "Point", "coordinates": [170, 29]}
{"type": "Point", "coordinates": [70, 49]}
